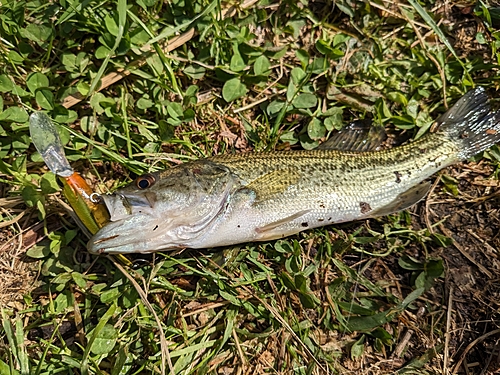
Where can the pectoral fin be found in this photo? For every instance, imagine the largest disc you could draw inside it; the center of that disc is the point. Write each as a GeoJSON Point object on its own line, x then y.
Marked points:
{"type": "Point", "coordinates": [404, 200]}
{"type": "Point", "coordinates": [269, 232]}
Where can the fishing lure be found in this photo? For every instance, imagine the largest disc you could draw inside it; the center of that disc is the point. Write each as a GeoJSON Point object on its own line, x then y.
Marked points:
{"type": "Point", "coordinates": [80, 196]}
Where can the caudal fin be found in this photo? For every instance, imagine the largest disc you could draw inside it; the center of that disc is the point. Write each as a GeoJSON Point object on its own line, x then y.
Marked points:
{"type": "Point", "coordinates": [471, 123]}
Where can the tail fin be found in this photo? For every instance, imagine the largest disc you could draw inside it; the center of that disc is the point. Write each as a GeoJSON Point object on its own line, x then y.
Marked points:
{"type": "Point", "coordinates": [471, 123]}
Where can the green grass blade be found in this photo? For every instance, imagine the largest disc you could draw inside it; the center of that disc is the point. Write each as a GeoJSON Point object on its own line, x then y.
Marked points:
{"type": "Point", "coordinates": [193, 348]}
{"type": "Point", "coordinates": [22, 356]}
{"type": "Point", "coordinates": [122, 19]}
{"type": "Point", "coordinates": [428, 19]}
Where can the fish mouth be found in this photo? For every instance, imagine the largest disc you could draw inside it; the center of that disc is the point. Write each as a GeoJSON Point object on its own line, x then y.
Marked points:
{"type": "Point", "coordinates": [121, 206]}
{"type": "Point", "coordinates": [134, 234]}
{"type": "Point", "coordinates": [132, 217]}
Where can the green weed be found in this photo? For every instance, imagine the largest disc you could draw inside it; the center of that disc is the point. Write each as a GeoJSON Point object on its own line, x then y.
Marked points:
{"type": "Point", "coordinates": [257, 75]}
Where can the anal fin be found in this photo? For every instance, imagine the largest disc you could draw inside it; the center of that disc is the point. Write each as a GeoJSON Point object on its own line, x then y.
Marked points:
{"type": "Point", "coordinates": [267, 232]}
{"type": "Point", "coordinates": [404, 200]}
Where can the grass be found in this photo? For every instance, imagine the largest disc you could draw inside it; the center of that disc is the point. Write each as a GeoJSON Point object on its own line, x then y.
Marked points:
{"type": "Point", "coordinates": [144, 85]}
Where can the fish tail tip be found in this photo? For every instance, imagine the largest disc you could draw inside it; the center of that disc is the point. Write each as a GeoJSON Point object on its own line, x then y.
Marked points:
{"type": "Point", "coordinates": [471, 123]}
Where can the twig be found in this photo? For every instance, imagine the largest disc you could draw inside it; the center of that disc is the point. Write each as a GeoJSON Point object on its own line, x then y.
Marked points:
{"type": "Point", "coordinates": [338, 95]}
{"type": "Point", "coordinates": [490, 357]}
{"type": "Point", "coordinates": [209, 306]}
{"type": "Point", "coordinates": [426, 35]}
{"type": "Point", "coordinates": [114, 77]}
{"type": "Point", "coordinates": [402, 344]}
{"type": "Point", "coordinates": [486, 244]}
{"type": "Point", "coordinates": [11, 221]}
{"type": "Point", "coordinates": [257, 102]}
{"type": "Point", "coordinates": [396, 15]}
{"type": "Point", "coordinates": [182, 59]}
{"type": "Point", "coordinates": [470, 346]}
{"type": "Point", "coordinates": [427, 221]}
{"type": "Point", "coordinates": [232, 10]}
{"type": "Point", "coordinates": [238, 347]}
{"type": "Point", "coordinates": [395, 31]}
{"type": "Point", "coordinates": [277, 295]}
{"type": "Point", "coordinates": [251, 105]}
{"type": "Point", "coordinates": [447, 334]}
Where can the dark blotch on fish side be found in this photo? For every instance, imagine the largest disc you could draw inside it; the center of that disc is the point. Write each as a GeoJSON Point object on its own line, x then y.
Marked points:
{"type": "Point", "coordinates": [365, 207]}
{"type": "Point", "coordinates": [398, 177]}
{"type": "Point", "coordinates": [305, 225]}
{"type": "Point", "coordinates": [155, 228]}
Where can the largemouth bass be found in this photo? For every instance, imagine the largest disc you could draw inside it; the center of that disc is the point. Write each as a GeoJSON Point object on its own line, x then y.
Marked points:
{"type": "Point", "coordinates": [231, 199]}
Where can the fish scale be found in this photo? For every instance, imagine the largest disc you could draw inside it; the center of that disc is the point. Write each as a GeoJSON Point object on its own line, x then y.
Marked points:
{"type": "Point", "coordinates": [328, 171]}
{"type": "Point", "coordinates": [334, 186]}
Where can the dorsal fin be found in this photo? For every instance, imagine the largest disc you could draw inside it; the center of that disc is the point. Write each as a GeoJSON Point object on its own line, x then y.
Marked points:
{"type": "Point", "coordinates": [358, 136]}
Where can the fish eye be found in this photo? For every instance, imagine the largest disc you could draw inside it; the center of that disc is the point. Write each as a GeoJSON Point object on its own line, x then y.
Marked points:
{"type": "Point", "coordinates": [145, 181]}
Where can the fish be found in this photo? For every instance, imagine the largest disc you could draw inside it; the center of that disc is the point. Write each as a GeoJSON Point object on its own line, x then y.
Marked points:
{"type": "Point", "coordinates": [238, 198]}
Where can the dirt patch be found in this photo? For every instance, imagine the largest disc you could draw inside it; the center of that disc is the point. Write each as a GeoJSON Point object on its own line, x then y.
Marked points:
{"type": "Point", "coordinates": [470, 291]}
{"type": "Point", "coordinates": [18, 274]}
{"type": "Point", "coordinates": [20, 230]}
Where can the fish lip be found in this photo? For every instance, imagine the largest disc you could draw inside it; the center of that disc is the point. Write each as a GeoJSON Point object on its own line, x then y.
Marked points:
{"type": "Point", "coordinates": [123, 235]}
{"type": "Point", "coordinates": [115, 244]}
{"type": "Point", "coordinates": [124, 209]}
{"type": "Point", "coordinates": [105, 239]}
{"type": "Point", "coordinates": [104, 242]}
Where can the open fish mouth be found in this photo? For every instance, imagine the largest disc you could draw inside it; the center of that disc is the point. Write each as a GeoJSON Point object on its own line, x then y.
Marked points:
{"type": "Point", "coordinates": [117, 239]}
{"type": "Point", "coordinates": [121, 206]}
{"type": "Point", "coordinates": [130, 214]}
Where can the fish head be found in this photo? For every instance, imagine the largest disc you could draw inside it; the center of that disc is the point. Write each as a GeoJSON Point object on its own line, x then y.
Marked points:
{"type": "Point", "coordinates": [165, 210]}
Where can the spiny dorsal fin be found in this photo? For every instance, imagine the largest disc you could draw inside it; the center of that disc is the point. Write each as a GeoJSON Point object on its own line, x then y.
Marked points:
{"type": "Point", "coordinates": [273, 183]}
{"type": "Point", "coordinates": [404, 200]}
{"type": "Point", "coordinates": [358, 136]}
